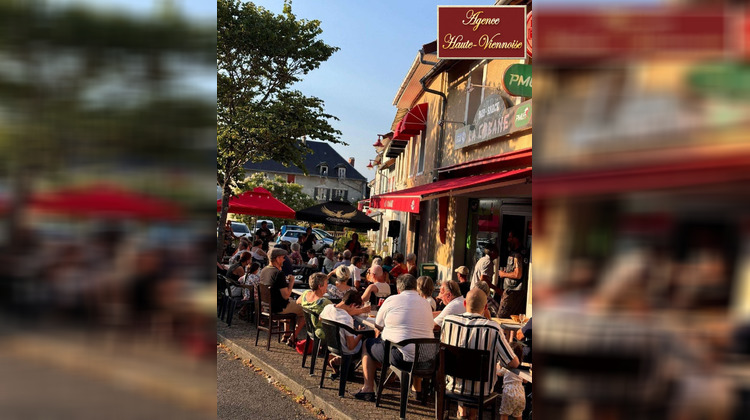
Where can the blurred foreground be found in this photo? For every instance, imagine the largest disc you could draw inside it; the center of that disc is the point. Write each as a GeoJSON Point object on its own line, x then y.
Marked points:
{"type": "Point", "coordinates": [642, 213]}
{"type": "Point", "coordinates": [107, 142]}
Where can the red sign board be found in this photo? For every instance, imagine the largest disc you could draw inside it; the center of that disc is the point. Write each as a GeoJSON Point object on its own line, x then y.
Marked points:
{"type": "Point", "coordinates": [574, 35]}
{"type": "Point", "coordinates": [528, 34]}
{"type": "Point", "coordinates": [477, 32]}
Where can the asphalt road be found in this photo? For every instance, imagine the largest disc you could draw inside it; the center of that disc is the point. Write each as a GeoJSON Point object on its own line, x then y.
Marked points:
{"type": "Point", "coordinates": [32, 390]}
{"type": "Point", "coordinates": [244, 394]}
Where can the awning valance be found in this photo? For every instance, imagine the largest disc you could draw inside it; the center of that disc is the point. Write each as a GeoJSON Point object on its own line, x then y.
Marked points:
{"type": "Point", "coordinates": [408, 199]}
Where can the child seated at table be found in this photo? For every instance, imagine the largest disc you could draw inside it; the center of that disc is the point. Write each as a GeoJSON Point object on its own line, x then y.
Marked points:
{"type": "Point", "coordinates": [514, 396]}
{"type": "Point", "coordinates": [351, 304]}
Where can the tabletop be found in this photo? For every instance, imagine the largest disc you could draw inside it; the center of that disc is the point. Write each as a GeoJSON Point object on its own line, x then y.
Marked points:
{"type": "Point", "coordinates": [523, 371]}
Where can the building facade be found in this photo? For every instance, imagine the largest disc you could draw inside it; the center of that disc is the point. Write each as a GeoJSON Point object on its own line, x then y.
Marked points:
{"type": "Point", "coordinates": [329, 177]}
{"type": "Point", "coordinates": [455, 171]}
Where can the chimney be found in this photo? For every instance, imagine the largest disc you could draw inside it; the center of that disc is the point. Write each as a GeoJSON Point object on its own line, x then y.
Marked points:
{"type": "Point", "coordinates": [351, 161]}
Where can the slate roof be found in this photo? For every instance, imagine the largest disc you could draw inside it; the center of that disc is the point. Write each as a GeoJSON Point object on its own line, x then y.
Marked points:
{"type": "Point", "coordinates": [321, 152]}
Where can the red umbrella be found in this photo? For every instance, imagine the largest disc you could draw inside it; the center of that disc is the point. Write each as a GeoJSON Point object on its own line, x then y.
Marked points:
{"type": "Point", "coordinates": [106, 201]}
{"type": "Point", "coordinates": [258, 202]}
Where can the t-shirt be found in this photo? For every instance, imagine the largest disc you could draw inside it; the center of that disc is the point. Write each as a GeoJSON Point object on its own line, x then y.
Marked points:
{"type": "Point", "coordinates": [328, 265]}
{"type": "Point", "coordinates": [514, 258]}
{"type": "Point", "coordinates": [275, 280]}
{"type": "Point", "coordinates": [464, 288]}
{"type": "Point", "coordinates": [433, 304]}
{"type": "Point", "coordinates": [404, 316]}
{"type": "Point", "coordinates": [484, 266]}
{"type": "Point", "coordinates": [332, 313]}
{"type": "Point", "coordinates": [454, 307]}
{"type": "Point", "coordinates": [265, 236]}
{"type": "Point", "coordinates": [398, 270]}
{"type": "Point", "coordinates": [315, 306]}
{"type": "Point", "coordinates": [236, 257]}
{"type": "Point", "coordinates": [473, 331]}
{"type": "Point", "coordinates": [313, 261]}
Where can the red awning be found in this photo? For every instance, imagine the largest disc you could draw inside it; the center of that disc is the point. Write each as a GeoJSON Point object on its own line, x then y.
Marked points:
{"type": "Point", "coordinates": [408, 199]}
{"type": "Point", "coordinates": [258, 202]}
{"type": "Point", "coordinates": [105, 201]}
{"type": "Point", "coordinates": [678, 174]}
{"type": "Point", "coordinates": [415, 120]}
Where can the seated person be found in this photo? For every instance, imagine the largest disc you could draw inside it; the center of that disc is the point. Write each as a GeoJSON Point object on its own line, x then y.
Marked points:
{"type": "Point", "coordinates": [313, 299]}
{"type": "Point", "coordinates": [472, 330]}
{"type": "Point", "coordinates": [425, 287]}
{"type": "Point", "coordinates": [342, 313]}
{"type": "Point", "coordinates": [280, 286]}
{"type": "Point", "coordinates": [450, 295]}
{"type": "Point", "coordinates": [462, 275]}
{"type": "Point", "coordinates": [378, 288]}
{"type": "Point", "coordinates": [312, 260]}
{"type": "Point", "coordinates": [295, 256]}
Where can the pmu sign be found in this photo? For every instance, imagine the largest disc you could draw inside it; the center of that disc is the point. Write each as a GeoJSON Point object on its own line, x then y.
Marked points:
{"type": "Point", "coordinates": [517, 80]}
{"type": "Point", "coordinates": [477, 32]}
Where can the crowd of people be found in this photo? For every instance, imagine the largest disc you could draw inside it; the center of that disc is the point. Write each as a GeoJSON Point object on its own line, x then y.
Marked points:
{"type": "Point", "coordinates": [343, 285]}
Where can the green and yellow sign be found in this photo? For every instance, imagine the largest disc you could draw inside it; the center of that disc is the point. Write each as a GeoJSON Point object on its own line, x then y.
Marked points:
{"type": "Point", "coordinates": [517, 80]}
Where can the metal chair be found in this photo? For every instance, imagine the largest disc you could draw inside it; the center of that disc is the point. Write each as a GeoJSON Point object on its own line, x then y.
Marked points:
{"type": "Point", "coordinates": [268, 321]}
{"type": "Point", "coordinates": [310, 327]}
{"type": "Point", "coordinates": [426, 351]}
{"type": "Point", "coordinates": [332, 345]}
{"type": "Point", "coordinates": [465, 365]}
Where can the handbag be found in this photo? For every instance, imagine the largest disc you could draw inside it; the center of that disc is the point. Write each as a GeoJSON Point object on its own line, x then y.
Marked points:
{"type": "Point", "coordinates": [304, 346]}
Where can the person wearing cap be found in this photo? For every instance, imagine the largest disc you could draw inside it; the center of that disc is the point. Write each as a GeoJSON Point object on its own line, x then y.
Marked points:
{"type": "Point", "coordinates": [462, 275]}
{"type": "Point", "coordinates": [281, 289]}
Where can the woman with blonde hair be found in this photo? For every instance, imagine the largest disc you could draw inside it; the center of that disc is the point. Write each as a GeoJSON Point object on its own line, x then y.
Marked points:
{"type": "Point", "coordinates": [337, 280]}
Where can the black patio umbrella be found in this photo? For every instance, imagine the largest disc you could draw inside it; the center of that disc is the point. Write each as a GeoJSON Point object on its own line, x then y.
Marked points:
{"type": "Point", "coordinates": [338, 213]}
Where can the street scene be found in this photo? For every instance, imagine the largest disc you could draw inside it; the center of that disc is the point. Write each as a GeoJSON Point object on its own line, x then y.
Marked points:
{"type": "Point", "coordinates": [389, 277]}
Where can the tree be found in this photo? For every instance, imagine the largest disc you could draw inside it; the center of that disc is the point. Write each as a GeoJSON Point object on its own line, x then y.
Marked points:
{"type": "Point", "coordinates": [260, 55]}
{"type": "Point", "coordinates": [288, 193]}
{"type": "Point", "coordinates": [80, 86]}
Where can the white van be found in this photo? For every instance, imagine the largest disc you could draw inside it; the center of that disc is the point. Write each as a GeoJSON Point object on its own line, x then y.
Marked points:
{"type": "Point", "coordinates": [269, 225]}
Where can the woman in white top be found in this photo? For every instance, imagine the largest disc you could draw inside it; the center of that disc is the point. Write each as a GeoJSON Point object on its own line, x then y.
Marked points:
{"type": "Point", "coordinates": [312, 262]}
{"type": "Point", "coordinates": [257, 251]}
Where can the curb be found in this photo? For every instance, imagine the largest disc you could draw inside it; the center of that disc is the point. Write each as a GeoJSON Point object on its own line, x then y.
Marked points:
{"type": "Point", "coordinates": [310, 393]}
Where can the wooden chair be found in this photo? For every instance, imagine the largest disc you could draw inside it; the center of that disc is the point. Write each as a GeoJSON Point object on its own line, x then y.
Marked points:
{"type": "Point", "coordinates": [332, 345]}
{"type": "Point", "coordinates": [426, 351]}
{"type": "Point", "coordinates": [311, 336]}
{"type": "Point", "coordinates": [268, 321]}
{"type": "Point", "coordinates": [469, 365]}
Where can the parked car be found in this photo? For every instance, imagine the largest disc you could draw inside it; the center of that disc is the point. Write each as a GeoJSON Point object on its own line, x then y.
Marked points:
{"type": "Point", "coordinates": [324, 233]}
{"type": "Point", "coordinates": [294, 235]}
{"type": "Point", "coordinates": [290, 235]}
{"type": "Point", "coordinates": [284, 228]}
{"type": "Point", "coordinates": [269, 225]}
{"type": "Point", "coordinates": [323, 241]}
{"type": "Point", "coordinates": [240, 229]}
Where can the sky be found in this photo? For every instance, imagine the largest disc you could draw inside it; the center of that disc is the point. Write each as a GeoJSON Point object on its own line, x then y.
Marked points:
{"type": "Point", "coordinates": [379, 41]}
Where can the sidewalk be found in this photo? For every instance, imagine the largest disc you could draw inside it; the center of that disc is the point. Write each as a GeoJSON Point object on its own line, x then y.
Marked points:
{"type": "Point", "coordinates": [285, 365]}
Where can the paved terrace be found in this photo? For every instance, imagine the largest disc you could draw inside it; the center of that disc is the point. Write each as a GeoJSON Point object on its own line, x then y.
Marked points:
{"type": "Point", "coordinates": [285, 365]}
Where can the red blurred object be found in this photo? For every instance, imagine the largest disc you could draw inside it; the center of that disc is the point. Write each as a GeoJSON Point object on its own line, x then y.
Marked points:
{"type": "Point", "coordinates": [106, 201]}
{"type": "Point", "coordinates": [258, 202]}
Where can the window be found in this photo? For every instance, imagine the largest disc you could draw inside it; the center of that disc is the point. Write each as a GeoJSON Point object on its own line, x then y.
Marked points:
{"type": "Point", "coordinates": [323, 170]}
{"type": "Point", "coordinates": [474, 92]}
{"type": "Point", "coordinates": [290, 178]}
{"type": "Point", "coordinates": [321, 193]}
{"type": "Point", "coordinates": [342, 172]}
{"type": "Point", "coordinates": [420, 162]}
{"type": "Point", "coordinates": [339, 194]}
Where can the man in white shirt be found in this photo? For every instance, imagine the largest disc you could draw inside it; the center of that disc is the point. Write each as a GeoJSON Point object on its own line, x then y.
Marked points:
{"type": "Point", "coordinates": [402, 316]}
{"type": "Point", "coordinates": [450, 295]}
{"type": "Point", "coordinates": [485, 268]}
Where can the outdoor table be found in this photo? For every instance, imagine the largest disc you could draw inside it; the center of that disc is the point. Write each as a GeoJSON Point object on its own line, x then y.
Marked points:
{"type": "Point", "coordinates": [509, 327]}
{"type": "Point", "coordinates": [368, 321]}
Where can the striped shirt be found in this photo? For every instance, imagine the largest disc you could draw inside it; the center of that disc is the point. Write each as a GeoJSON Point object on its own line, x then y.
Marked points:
{"type": "Point", "coordinates": [473, 331]}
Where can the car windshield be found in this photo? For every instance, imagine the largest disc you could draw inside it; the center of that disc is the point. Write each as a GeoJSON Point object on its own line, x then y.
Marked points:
{"type": "Point", "coordinates": [240, 227]}
{"type": "Point", "coordinates": [294, 233]}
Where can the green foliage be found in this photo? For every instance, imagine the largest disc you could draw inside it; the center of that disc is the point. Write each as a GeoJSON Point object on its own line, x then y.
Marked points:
{"type": "Point", "coordinates": [260, 55]}
{"type": "Point", "coordinates": [288, 193]}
